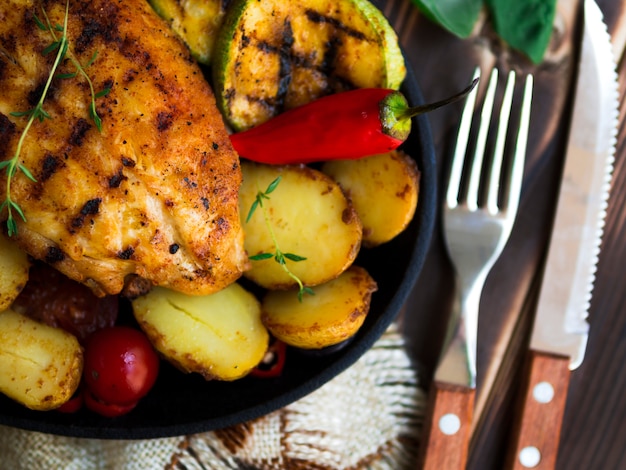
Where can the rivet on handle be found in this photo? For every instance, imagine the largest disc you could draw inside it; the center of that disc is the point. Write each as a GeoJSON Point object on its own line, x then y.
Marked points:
{"type": "Point", "coordinates": [449, 424]}
{"type": "Point", "coordinates": [543, 392]}
{"type": "Point", "coordinates": [529, 457]}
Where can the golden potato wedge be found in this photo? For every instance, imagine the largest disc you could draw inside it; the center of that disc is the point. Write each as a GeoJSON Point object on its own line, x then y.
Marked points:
{"type": "Point", "coordinates": [40, 366]}
{"type": "Point", "coordinates": [383, 189]}
{"type": "Point", "coordinates": [219, 336]}
{"type": "Point", "coordinates": [307, 215]}
{"type": "Point", "coordinates": [14, 267]}
{"type": "Point", "coordinates": [334, 314]}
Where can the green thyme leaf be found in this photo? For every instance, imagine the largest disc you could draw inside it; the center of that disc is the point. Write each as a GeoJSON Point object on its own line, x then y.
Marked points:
{"type": "Point", "coordinates": [292, 257]}
{"type": "Point", "coordinates": [280, 257]}
{"type": "Point", "coordinates": [261, 256]}
{"type": "Point", "coordinates": [103, 92]}
{"type": "Point", "coordinates": [272, 186]}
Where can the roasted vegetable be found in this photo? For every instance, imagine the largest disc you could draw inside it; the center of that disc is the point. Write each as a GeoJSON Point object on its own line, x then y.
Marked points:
{"type": "Point", "coordinates": [349, 125]}
{"type": "Point", "coordinates": [14, 267]}
{"type": "Point", "coordinates": [384, 190]}
{"type": "Point", "coordinates": [275, 55]}
{"type": "Point", "coordinates": [332, 315]}
{"type": "Point", "coordinates": [307, 216]}
{"type": "Point", "coordinates": [197, 22]}
{"type": "Point", "coordinates": [40, 366]}
{"type": "Point", "coordinates": [219, 336]}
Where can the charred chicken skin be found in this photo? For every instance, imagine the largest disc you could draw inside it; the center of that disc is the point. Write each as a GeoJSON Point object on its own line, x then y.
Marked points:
{"type": "Point", "coordinates": [152, 198]}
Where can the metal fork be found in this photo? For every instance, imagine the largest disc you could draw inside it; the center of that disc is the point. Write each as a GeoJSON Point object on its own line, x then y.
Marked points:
{"type": "Point", "coordinates": [475, 231]}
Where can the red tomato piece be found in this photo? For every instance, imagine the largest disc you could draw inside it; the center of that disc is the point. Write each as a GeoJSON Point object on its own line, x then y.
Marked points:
{"type": "Point", "coordinates": [106, 409]}
{"type": "Point", "coordinates": [274, 361]}
{"type": "Point", "coordinates": [121, 365]}
{"type": "Point", "coordinates": [73, 404]}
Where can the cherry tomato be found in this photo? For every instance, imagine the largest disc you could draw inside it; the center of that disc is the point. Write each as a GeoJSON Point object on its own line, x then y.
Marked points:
{"type": "Point", "coordinates": [106, 409]}
{"type": "Point", "coordinates": [73, 404]}
{"type": "Point", "coordinates": [274, 361]}
{"type": "Point", "coordinates": [120, 365]}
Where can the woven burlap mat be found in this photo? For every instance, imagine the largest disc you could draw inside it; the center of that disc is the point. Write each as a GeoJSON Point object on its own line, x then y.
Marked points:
{"type": "Point", "coordinates": [367, 417]}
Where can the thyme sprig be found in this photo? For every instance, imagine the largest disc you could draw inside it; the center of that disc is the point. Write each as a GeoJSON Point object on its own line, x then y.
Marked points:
{"type": "Point", "coordinates": [80, 69]}
{"type": "Point", "coordinates": [279, 256]}
{"type": "Point", "coordinates": [60, 44]}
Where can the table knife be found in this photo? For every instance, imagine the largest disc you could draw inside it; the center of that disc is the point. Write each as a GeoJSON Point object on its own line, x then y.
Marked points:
{"type": "Point", "coordinates": [560, 328]}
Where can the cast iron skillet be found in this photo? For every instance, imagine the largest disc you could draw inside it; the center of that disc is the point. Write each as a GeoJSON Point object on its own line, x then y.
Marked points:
{"type": "Point", "coordinates": [183, 404]}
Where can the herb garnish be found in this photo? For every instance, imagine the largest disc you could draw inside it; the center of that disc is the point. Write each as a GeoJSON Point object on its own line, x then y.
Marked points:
{"type": "Point", "coordinates": [279, 256]}
{"type": "Point", "coordinates": [525, 25]}
{"type": "Point", "coordinates": [60, 44]}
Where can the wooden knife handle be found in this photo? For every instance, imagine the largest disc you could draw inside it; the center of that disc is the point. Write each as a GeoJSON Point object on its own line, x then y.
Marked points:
{"type": "Point", "coordinates": [447, 428]}
{"type": "Point", "coordinates": [538, 426]}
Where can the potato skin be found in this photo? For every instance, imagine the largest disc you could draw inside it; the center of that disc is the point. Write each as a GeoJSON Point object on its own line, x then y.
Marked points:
{"type": "Point", "coordinates": [384, 190]}
{"type": "Point", "coordinates": [334, 314]}
{"type": "Point", "coordinates": [40, 366]}
{"type": "Point", "coordinates": [309, 216]}
{"type": "Point", "coordinates": [219, 336]}
{"type": "Point", "coordinates": [14, 266]}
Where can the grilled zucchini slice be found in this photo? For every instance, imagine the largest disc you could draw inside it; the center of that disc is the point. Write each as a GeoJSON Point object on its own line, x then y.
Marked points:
{"type": "Point", "coordinates": [275, 55]}
{"type": "Point", "coordinates": [197, 23]}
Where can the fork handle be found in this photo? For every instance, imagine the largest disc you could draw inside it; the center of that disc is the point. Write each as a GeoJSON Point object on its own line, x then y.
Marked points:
{"type": "Point", "coordinates": [447, 429]}
{"type": "Point", "coordinates": [538, 425]}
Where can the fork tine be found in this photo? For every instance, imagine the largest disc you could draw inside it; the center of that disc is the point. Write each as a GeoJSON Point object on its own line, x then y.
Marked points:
{"type": "Point", "coordinates": [454, 183]}
{"type": "Point", "coordinates": [511, 199]}
{"type": "Point", "coordinates": [481, 141]}
{"type": "Point", "coordinates": [498, 153]}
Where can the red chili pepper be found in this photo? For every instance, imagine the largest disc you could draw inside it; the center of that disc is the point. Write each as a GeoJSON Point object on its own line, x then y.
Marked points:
{"type": "Point", "coordinates": [347, 125]}
{"type": "Point", "coordinates": [274, 361]}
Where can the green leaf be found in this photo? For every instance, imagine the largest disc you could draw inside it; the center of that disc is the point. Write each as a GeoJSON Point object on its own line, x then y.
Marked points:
{"type": "Point", "coordinates": [261, 256]}
{"type": "Point", "coordinates": [272, 186]}
{"type": "Point", "coordinates": [11, 227]}
{"type": "Point", "coordinates": [457, 16]}
{"type": "Point", "coordinates": [28, 174]}
{"type": "Point", "coordinates": [525, 26]}
{"type": "Point", "coordinates": [18, 209]}
{"type": "Point", "coordinates": [64, 76]}
{"type": "Point", "coordinates": [304, 290]}
{"type": "Point", "coordinates": [94, 115]}
{"type": "Point", "coordinates": [39, 23]}
{"type": "Point", "coordinates": [51, 48]}
{"type": "Point", "coordinates": [92, 60]}
{"type": "Point", "coordinates": [103, 92]}
{"type": "Point", "coordinates": [253, 207]}
{"type": "Point", "coordinates": [292, 257]}
{"type": "Point", "coordinates": [22, 113]}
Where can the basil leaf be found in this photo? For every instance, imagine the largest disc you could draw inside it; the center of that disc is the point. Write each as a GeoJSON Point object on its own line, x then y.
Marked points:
{"type": "Point", "coordinates": [524, 25]}
{"type": "Point", "coordinates": [457, 16]}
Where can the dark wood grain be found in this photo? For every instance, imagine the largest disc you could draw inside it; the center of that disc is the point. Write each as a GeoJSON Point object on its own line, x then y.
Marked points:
{"type": "Point", "coordinates": [440, 449]}
{"type": "Point", "coordinates": [540, 415]}
{"type": "Point", "coordinates": [594, 423]}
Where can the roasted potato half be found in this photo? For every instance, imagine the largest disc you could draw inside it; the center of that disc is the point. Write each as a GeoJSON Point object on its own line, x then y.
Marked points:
{"type": "Point", "coordinates": [219, 336]}
{"type": "Point", "coordinates": [14, 266]}
{"type": "Point", "coordinates": [334, 314]}
{"type": "Point", "coordinates": [383, 189]}
{"type": "Point", "coordinates": [307, 214]}
{"type": "Point", "coordinates": [40, 366]}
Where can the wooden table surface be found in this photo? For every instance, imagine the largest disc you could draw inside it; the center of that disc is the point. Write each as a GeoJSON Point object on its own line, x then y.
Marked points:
{"type": "Point", "coordinates": [594, 429]}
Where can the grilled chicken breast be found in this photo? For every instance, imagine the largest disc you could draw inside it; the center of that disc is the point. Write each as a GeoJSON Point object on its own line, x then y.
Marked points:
{"type": "Point", "coordinates": [152, 198]}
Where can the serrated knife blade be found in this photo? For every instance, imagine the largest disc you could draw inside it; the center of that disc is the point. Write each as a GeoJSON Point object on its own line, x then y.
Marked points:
{"type": "Point", "coordinates": [560, 329]}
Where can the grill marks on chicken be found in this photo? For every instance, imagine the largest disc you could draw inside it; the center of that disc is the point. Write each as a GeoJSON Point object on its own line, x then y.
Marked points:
{"type": "Point", "coordinates": [108, 207]}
